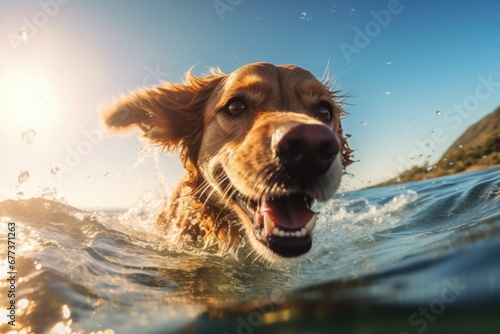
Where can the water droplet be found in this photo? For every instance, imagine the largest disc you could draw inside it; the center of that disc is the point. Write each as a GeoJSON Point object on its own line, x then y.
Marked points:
{"type": "Point", "coordinates": [451, 163]}
{"type": "Point", "coordinates": [351, 11]}
{"type": "Point", "coordinates": [19, 195]}
{"type": "Point", "coordinates": [54, 170]}
{"type": "Point", "coordinates": [388, 214]}
{"type": "Point", "coordinates": [429, 168]}
{"type": "Point", "coordinates": [460, 146]}
{"type": "Point", "coordinates": [388, 62]}
{"type": "Point", "coordinates": [364, 123]}
{"type": "Point", "coordinates": [23, 177]}
{"type": "Point", "coordinates": [347, 135]}
{"type": "Point", "coordinates": [23, 32]}
{"type": "Point", "coordinates": [437, 113]}
{"type": "Point", "coordinates": [49, 193]}
{"type": "Point", "coordinates": [106, 174]}
{"type": "Point", "coordinates": [66, 312]}
{"type": "Point", "coordinates": [38, 266]}
{"type": "Point", "coordinates": [388, 92]}
{"type": "Point", "coordinates": [334, 9]}
{"type": "Point", "coordinates": [28, 136]}
{"type": "Point", "coordinates": [303, 15]}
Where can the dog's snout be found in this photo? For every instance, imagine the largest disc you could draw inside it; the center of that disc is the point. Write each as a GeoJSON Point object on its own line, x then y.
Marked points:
{"type": "Point", "coordinates": [306, 150]}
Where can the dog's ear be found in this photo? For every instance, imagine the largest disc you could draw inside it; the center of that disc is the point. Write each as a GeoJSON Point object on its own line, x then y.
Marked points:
{"type": "Point", "coordinates": [170, 115]}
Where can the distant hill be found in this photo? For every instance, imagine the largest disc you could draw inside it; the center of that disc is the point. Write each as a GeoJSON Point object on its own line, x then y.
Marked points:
{"type": "Point", "coordinates": [478, 147]}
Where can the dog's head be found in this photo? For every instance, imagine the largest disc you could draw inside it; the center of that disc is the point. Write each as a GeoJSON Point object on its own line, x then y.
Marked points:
{"type": "Point", "coordinates": [265, 141]}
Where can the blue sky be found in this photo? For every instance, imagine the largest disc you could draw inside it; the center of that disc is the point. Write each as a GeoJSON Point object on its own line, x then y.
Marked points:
{"type": "Point", "coordinates": [400, 62]}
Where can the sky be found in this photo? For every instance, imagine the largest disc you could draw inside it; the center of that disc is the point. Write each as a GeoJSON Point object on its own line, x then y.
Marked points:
{"type": "Point", "coordinates": [417, 74]}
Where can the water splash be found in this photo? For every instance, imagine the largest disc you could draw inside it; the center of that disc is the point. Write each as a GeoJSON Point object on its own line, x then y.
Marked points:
{"type": "Point", "coordinates": [303, 15]}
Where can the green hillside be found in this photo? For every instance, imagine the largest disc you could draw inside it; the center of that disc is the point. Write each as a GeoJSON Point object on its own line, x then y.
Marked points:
{"type": "Point", "coordinates": [478, 147]}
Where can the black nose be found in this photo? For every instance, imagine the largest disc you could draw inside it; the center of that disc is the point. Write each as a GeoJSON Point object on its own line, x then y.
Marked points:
{"type": "Point", "coordinates": [306, 150]}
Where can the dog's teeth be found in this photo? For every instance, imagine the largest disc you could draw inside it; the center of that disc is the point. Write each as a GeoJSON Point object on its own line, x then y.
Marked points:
{"type": "Point", "coordinates": [296, 233]}
{"type": "Point", "coordinates": [268, 224]}
{"type": "Point", "coordinates": [310, 225]}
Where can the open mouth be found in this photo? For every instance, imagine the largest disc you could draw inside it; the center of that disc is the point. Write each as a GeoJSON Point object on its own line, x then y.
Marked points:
{"type": "Point", "coordinates": [282, 224]}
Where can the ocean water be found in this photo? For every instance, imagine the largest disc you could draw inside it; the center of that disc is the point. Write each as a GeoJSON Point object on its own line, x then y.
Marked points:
{"type": "Point", "coordinates": [408, 258]}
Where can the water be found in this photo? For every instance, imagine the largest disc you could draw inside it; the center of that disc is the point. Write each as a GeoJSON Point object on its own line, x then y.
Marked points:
{"type": "Point", "coordinates": [407, 258]}
{"type": "Point", "coordinates": [23, 176]}
{"type": "Point", "coordinates": [28, 136]}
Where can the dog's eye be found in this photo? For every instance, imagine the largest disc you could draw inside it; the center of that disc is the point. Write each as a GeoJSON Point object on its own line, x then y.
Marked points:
{"type": "Point", "coordinates": [235, 107]}
{"type": "Point", "coordinates": [323, 113]}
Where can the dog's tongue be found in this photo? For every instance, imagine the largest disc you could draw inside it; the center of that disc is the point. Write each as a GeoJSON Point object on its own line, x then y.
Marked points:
{"type": "Point", "coordinates": [291, 212]}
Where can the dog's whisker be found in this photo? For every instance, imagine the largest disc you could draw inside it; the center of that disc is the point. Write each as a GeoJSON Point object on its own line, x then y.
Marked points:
{"type": "Point", "coordinates": [251, 253]}
{"type": "Point", "coordinates": [325, 78]}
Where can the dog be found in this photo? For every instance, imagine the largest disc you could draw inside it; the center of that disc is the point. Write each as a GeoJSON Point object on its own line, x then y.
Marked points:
{"type": "Point", "coordinates": [259, 146]}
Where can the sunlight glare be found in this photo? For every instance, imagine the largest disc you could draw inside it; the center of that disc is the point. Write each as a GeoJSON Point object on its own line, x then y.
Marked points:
{"type": "Point", "coordinates": [27, 100]}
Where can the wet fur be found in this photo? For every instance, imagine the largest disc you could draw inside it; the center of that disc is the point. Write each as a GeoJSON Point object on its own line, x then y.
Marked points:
{"type": "Point", "coordinates": [220, 152]}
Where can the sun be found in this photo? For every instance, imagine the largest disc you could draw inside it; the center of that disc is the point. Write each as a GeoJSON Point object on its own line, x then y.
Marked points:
{"type": "Point", "coordinates": [27, 100]}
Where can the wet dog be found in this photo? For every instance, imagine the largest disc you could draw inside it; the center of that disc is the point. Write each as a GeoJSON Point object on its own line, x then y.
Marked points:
{"type": "Point", "coordinates": [258, 145]}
